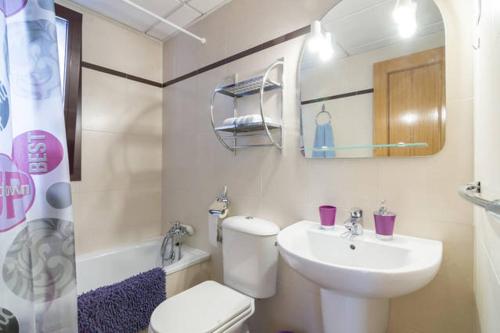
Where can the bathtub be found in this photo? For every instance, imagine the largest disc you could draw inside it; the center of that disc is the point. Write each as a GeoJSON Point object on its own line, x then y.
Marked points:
{"type": "Point", "coordinates": [102, 268]}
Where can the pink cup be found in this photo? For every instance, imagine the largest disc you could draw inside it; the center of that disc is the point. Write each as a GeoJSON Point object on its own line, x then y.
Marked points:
{"type": "Point", "coordinates": [327, 216]}
{"type": "Point", "coordinates": [384, 226]}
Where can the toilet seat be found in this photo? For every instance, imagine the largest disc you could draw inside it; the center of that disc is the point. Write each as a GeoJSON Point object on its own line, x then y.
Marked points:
{"type": "Point", "coordinates": [206, 308]}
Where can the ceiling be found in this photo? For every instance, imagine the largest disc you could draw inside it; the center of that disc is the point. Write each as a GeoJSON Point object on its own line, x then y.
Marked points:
{"type": "Point", "coordinates": [360, 26]}
{"type": "Point", "coordinates": [180, 12]}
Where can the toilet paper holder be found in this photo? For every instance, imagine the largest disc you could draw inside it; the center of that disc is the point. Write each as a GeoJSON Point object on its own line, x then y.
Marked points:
{"type": "Point", "coordinates": [220, 209]}
{"type": "Point", "coordinates": [221, 204]}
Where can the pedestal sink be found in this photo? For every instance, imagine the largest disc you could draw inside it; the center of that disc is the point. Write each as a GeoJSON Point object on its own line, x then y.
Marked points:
{"type": "Point", "coordinates": [358, 276]}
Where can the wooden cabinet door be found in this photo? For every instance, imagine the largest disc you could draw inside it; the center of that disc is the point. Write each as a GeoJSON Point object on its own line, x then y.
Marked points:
{"type": "Point", "coordinates": [409, 98]}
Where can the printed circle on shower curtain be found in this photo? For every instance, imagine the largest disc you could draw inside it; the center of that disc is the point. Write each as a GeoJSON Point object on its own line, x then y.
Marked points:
{"type": "Point", "coordinates": [59, 195]}
{"type": "Point", "coordinates": [8, 322]}
{"type": "Point", "coordinates": [39, 265]}
{"type": "Point", "coordinates": [17, 193]}
{"type": "Point", "coordinates": [35, 58]}
{"type": "Point", "coordinates": [37, 152]}
{"type": "Point", "coordinates": [11, 7]}
{"type": "Point", "coordinates": [46, 4]}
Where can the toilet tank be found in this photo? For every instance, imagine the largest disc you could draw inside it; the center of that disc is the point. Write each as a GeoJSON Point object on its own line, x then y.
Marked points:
{"type": "Point", "coordinates": [250, 255]}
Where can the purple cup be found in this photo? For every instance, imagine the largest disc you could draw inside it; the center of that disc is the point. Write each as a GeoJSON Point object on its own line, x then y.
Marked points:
{"type": "Point", "coordinates": [327, 216]}
{"type": "Point", "coordinates": [384, 226]}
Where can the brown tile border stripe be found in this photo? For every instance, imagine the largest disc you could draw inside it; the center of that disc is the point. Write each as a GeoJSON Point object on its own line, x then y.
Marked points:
{"type": "Point", "coordinates": [281, 39]}
{"type": "Point", "coordinates": [327, 98]}
{"type": "Point", "coordinates": [120, 74]}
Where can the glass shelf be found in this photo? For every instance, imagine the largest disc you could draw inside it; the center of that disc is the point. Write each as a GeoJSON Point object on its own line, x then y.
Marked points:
{"type": "Point", "coordinates": [378, 146]}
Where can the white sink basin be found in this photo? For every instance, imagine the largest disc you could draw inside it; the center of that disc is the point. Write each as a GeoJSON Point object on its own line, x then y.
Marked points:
{"type": "Point", "coordinates": [363, 272]}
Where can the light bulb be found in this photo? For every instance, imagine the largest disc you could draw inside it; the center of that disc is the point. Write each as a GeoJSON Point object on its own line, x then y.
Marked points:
{"type": "Point", "coordinates": [316, 38]}
{"type": "Point", "coordinates": [326, 51]}
{"type": "Point", "coordinates": [405, 16]}
{"type": "Point", "coordinates": [407, 29]}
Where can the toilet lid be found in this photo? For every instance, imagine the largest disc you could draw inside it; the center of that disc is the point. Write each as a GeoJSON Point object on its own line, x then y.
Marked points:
{"type": "Point", "coordinates": [201, 309]}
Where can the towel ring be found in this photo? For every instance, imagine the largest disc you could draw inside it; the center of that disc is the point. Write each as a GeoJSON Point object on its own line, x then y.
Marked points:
{"type": "Point", "coordinates": [323, 111]}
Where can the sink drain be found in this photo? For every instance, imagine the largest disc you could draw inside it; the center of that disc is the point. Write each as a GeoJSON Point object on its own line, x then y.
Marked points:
{"type": "Point", "coordinates": [352, 247]}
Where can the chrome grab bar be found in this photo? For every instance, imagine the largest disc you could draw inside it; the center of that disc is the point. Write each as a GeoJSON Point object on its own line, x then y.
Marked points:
{"type": "Point", "coordinates": [472, 193]}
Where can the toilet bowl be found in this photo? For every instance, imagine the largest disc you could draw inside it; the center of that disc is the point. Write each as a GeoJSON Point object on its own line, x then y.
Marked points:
{"type": "Point", "coordinates": [250, 258]}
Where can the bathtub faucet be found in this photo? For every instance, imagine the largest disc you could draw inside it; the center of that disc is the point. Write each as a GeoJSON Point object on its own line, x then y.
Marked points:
{"type": "Point", "coordinates": [171, 247]}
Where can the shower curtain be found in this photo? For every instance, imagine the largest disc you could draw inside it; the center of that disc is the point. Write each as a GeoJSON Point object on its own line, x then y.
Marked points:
{"type": "Point", "coordinates": [37, 264]}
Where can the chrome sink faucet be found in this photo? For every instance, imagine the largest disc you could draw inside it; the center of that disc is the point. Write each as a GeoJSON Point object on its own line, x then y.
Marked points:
{"type": "Point", "coordinates": [354, 224]}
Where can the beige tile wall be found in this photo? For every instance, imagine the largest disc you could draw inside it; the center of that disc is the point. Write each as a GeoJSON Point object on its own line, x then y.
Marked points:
{"type": "Point", "coordinates": [118, 200]}
{"type": "Point", "coordinates": [284, 187]}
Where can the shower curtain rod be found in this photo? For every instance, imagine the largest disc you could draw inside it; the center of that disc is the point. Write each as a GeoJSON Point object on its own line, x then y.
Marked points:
{"type": "Point", "coordinates": [164, 20]}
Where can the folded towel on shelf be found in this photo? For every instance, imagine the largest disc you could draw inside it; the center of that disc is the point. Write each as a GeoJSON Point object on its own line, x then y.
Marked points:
{"type": "Point", "coordinates": [122, 307]}
{"type": "Point", "coordinates": [229, 121]}
{"type": "Point", "coordinates": [246, 120]}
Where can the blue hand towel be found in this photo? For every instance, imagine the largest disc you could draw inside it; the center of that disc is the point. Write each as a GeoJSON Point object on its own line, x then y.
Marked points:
{"type": "Point", "coordinates": [323, 139]}
{"type": "Point", "coordinates": [124, 307]}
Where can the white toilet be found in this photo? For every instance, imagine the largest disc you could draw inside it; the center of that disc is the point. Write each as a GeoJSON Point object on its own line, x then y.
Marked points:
{"type": "Point", "coordinates": [250, 258]}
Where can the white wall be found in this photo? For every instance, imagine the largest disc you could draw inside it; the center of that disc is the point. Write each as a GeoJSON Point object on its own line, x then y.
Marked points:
{"type": "Point", "coordinates": [118, 200]}
{"type": "Point", "coordinates": [487, 166]}
{"type": "Point", "coordinates": [284, 187]}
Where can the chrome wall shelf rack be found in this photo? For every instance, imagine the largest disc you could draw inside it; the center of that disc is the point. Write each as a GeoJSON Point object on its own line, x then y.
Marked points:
{"type": "Point", "coordinates": [269, 128]}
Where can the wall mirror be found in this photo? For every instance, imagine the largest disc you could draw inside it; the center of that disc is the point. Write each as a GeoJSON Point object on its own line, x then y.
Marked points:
{"type": "Point", "coordinates": [372, 81]}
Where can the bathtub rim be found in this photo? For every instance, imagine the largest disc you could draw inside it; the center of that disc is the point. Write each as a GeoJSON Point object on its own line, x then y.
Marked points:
{"type": "Point", "coordinates": [196, 256]}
